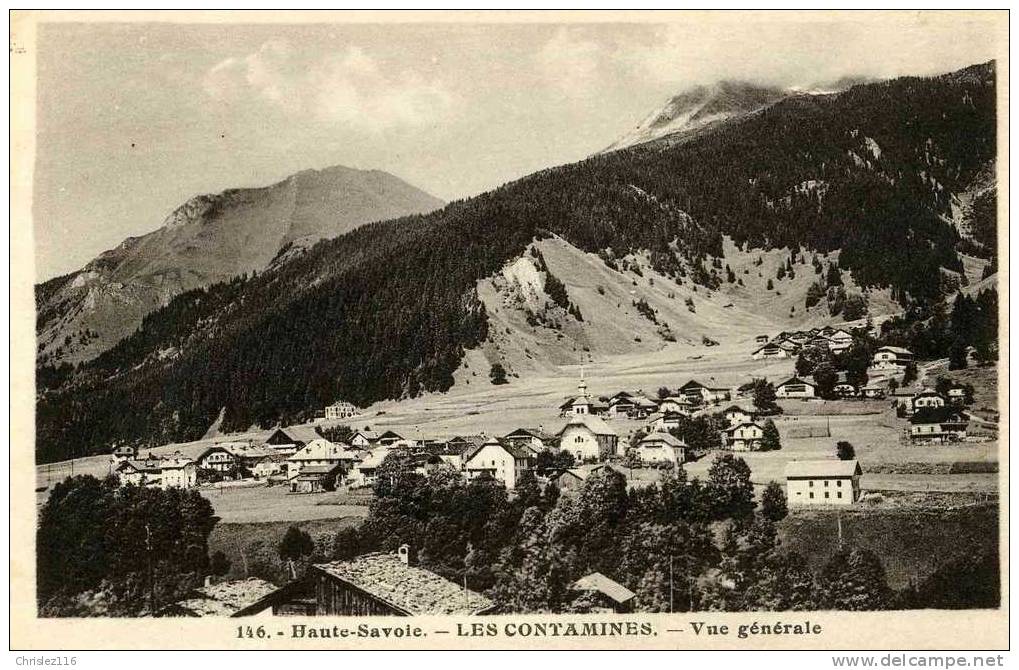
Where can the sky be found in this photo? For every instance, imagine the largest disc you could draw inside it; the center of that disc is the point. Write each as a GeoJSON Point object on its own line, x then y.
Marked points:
{"type": "Point", "coordinates": [135, 118]}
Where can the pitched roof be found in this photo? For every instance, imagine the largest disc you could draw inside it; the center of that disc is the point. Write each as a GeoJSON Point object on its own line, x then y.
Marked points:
{"type": "Point", "coordinates": [390, 434]}
{"type": "Point", "coordinates": [896, 350]}
{"type": "Point", "coordinates": [296, 434]}
{"type": "Point", "coordinates": [147, 465]}
{"type": "Point", "coordinates": [679, 400]}
{"type": "Point", "coordinates": [247, 451]}
{"type": "Point", "coordinates": [407, 588]}
{"type": "Point", "coordinates": [796, 380]}
{"type": "Point", "coordinates": [644, 401]}
{"type": "Point", "coordinates": [825, 468]}
{"type": "Point", "coordinates": [513, 450]}
{"type": "Point", "coordinates": [213, 449]}
{"type": "Point", "coordinates": [226, 598]}
{"type": "Point", "coordinates": [668, 438]}
{"type": "Point", "coordinates": [665, 416]}
{"type": "Point", "coordinates": [692, 384]}
{"type": "Point", "coordinates": [533, 432]}
{"type": "Point", "coordinates": [317, 471]}
{"type": "Point", "coordinates": [176, 463]}
{"type": "Point", "coordinates": [322, 448]}
{"type": "Point", "coordinates": [598, 582]}
{"type": "Point", "coordinates": [595, 424]}
{"type": "Point", "coordinates": [369, 435]}
{"type": "Point", "coordinates": [374, 458]}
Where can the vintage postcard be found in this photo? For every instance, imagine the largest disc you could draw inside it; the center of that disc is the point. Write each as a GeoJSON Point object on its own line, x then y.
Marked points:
{"type": "Point", "coordinates": [489, 330]}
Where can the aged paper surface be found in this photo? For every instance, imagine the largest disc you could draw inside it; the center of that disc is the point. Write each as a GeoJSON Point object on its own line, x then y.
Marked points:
{"type": "Point", "coordinates": [285, 84]}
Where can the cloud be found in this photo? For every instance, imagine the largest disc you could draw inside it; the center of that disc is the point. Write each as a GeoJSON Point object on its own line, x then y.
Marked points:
{"type": "Point", "coordinates": [798, 53]}
{"type": "Point", "coordinates": [349, 87]}
{"type": "Point", "coordinates": [570, 61]}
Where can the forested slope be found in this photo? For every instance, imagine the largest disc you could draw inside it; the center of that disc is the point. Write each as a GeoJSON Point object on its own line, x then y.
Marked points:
{"type": "Point", "coordinates": [388, 310]}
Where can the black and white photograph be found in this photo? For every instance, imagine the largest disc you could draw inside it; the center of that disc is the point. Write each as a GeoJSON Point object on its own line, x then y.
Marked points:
{"type": "Point", "coordinates": [601, 324]}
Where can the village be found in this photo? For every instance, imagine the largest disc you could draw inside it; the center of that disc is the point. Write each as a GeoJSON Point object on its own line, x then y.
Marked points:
{"type": "Point", "coordinates": [628, 429]}
{"type": "Point", "coordinates": [812, 435]}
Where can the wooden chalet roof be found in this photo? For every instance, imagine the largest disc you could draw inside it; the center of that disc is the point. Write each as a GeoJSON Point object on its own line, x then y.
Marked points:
{"type": "Point", "coordinates": [295, 435]}
{"type": "Point", "coordinates": [518, 453]}
{"type": "Point", "coordinates": [213, 449]}
{"type": "Point", "coordinates": [369, 435]}
{"type": "Point", "coordinates": [147, 465]}
{"type": "Point", "coordinates": [533, 432]}
{"type": "Point", "coordinates": [897, 350]}
{"type": "Point", "coordinates": [610, 588]}
{"type": "Point", "coordinates": [310, 472]}
{"type": "Point", "coordinates": [407, 588]}
{"type": "Point", "coordinates": [322, 448]}
{"type": "Point", "coordinates": [225, 599]}
{"type": "Point", "coordinates": [679, 400]}
{"type": "Point", "coordinates": [652, 439]}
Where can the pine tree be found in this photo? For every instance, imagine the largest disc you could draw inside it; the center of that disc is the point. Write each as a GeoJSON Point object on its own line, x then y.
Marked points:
{"type": "Point", "coordinates": [773, 502]}
{"type": "Point", "coordinates": [855, 580]}
{"type": "Point", "coordinates": [771, 440]}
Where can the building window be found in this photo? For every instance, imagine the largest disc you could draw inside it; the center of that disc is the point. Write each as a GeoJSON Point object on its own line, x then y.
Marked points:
{"type": "Point", "coordinates": [811, 495]}
{"type": "Point", "coordinates": [840, 494]}
{"type": "Point", "coordinates": [826, 483]}
{"type": "Point", "coordinates": [825, 494]}
{"type": "Point", "coordinates": [811, 486]}
{"type": "Point", "coordinates": [838, 483]}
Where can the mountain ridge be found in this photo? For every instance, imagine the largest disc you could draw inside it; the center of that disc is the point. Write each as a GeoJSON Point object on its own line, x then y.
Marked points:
{"type": "Point", "coordinates": [207, 239]}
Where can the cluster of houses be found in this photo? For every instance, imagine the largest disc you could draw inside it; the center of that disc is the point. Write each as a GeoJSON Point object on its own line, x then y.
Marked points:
{"type": "Point", "coordinates": [174, 471]}
{"type": "Point", "coordinates": [626, 405]}
{"type": "Point", "coordinates": [787, 344]}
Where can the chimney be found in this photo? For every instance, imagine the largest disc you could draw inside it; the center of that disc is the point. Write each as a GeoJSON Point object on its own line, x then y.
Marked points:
{"type": "Point", "coordinates": [404, 554]}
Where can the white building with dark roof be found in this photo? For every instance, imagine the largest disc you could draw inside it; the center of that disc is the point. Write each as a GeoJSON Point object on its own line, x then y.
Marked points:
{"type": "Point", "coordinates": [824, 482]}
{"type": "Point", "coordinates": [661, 448]}
{"type": "Point", "coordinates": [534, 439]}
{"type": "Point", "coordinates": [503, 461]}
{"type": "Point", "coordinates": [588, 438]}
{"type": "Point", "coordinates": [892, 358]}
{"type": "Point", "coordinates": [795, 388]}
